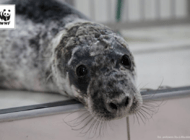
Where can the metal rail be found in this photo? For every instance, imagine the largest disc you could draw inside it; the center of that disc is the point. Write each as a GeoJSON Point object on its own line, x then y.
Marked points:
{"type": "Point", "coordinates": [157, 19]}
{"type": "Point", "coordinates": [145, 23]}
{"type": "Point", "coordinates": [72, 105]}
{"type": "Point", "coordinates": [166, 94]}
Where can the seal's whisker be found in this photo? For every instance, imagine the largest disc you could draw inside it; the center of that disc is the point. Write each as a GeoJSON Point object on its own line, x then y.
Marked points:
{"type": "Point", "coordinates": [110, 126]}
{"type": "Point", "coordinates": [76, 119]}
{"type": "Point", "coordinates": [147, 110]}
{"type": "Point", "coordinates": [92, 129]}
{"type": "Point", "coordinates": [78, 123]}
{"type": "Point", "coordinates": [147, 113]}
{"type": "Point", "coordinates": [141, 117]}
{"type": "Point", "coordinates": [133, 119]}
{"type": "Point", "coordinates": [139, 85]}
{"type": "Point", "coordinates": [88, 129]}
{"type": "Point", "coordinates": [81, 128]}
{"type": "Point", "coordinates": [100, 127]}
{"type": "Point", "coordinates": [143, 86]}
{"type": "Point", "coordinates": [144, 115]}
{"type": "Point", "coordinates": [96, 127]}
{"type": "Point", "coordinates": [78, 111]}
{"type": "Point", "coordinates": [103, 128]}
{"type": "Point", "coordinates": [137, 118]}
{"type": "Point", "coordinates": [152, 105]}
{"type": "Point", "coordinates": [69, 115]}
{"type": "Point", "coordinates": [150, 111]}
{"type": "Point", "coordinates": [160, 84]}
{"type": "Point", "coordinates": [102, 132]}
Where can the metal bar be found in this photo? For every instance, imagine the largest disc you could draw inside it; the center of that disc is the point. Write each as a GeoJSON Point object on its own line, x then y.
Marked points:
{"type": "Point", "coordinates": [157, 7]}
{"type": "Point", "coordinates": [128, 128]}
{"type": "Point", "coordinates": [142, 9]}
{"type": "Point", "coordinates": [188, 8]}
{"type": "Point", "coordinates": [51, 109]}
{"type": "Point", "coordinates": [109, 4]}
{"type": "Point", "coordinates": [40, 106]}
{"type": "Point", "coordinates": [166, 94]}
{"type": "Point", "coordinates": [119, 10]}
{"type": "Point", "coordinates": [39, 112]}
{"type": "Point", "coordinates": [143, 24]}
{"type": "Point", "coordinates": [92, 9]}
{"type": "Point", "coordinates": [173, 8]}
{"type": "Point", "coordinates": [127, 9]}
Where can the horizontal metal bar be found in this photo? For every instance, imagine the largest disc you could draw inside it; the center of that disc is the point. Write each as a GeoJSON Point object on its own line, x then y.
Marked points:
{"type": "Point", "coordinates": [40, 106]}
{"type": "Point", "coordinates": [166, 94]}
{"type": "Point", "coordinates": [71, 105]}
{"type": "Point", "coordinates": [40, 112]}
{"type": "Point", "coordinates": [147, 23]}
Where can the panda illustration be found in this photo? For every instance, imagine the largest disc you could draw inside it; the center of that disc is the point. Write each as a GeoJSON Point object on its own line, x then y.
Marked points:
{"type": "Point", "coordinates": [5, 15]}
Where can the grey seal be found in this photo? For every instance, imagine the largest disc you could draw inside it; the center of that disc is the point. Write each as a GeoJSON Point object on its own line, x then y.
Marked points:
{"type": "Point", "coordinates": [55, 48]}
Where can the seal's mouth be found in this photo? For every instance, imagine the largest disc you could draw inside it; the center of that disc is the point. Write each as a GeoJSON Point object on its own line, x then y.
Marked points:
{"type": "Point", "coordinates": [114, 109]}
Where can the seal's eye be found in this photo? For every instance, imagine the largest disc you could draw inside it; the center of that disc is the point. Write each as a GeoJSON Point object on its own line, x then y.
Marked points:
{"type": "Point", "coordinates": [125, 60]}
{"type": "Point", "coordinates": [81, 70]}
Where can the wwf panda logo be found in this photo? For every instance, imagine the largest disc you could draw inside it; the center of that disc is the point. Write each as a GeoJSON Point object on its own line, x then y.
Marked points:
{"type": "Point", "coordinates": [5, 15]}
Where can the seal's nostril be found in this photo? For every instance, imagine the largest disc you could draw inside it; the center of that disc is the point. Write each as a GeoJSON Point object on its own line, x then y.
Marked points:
{"type": "Point", "coordinates": [126, 101]}
{"type": "Point", "coordinates": [113, 106]}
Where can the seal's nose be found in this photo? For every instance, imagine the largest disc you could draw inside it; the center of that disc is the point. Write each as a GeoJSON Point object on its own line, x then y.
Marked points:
{"type": "Point", "coordinates": [117, 104]}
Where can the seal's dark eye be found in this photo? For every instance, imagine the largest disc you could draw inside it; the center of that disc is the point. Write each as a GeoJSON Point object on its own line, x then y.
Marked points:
{"type": "Point", "coordinates": [125, 60]}
{"type": "Point", "coordinates": [81, 70]}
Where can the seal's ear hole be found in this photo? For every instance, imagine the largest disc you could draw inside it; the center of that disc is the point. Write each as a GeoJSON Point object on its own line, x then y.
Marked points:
{"type": "Point", "coordinates": [125, 61]}
{"type": "Point", "coordinates": [81, 70]}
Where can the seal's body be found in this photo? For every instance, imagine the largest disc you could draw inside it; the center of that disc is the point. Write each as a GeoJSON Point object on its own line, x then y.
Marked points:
{"type": "Point", "coordinates": [55, 48]}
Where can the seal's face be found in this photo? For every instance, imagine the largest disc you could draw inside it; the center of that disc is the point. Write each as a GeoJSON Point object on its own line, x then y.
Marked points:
{"type": "Point", "coordinates": [100, 70]}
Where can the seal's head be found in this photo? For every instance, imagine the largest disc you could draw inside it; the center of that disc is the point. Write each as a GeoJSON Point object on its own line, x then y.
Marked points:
{"type": "Point", "coordinates": [94, 65]}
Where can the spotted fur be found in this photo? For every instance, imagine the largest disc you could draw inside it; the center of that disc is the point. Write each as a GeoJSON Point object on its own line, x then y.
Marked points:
{"type": "Point", "coordinates": [43, 52]}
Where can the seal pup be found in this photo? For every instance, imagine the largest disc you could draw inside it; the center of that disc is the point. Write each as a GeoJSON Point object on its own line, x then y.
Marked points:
{"type": "Point", "coordinates": [55, 48]}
